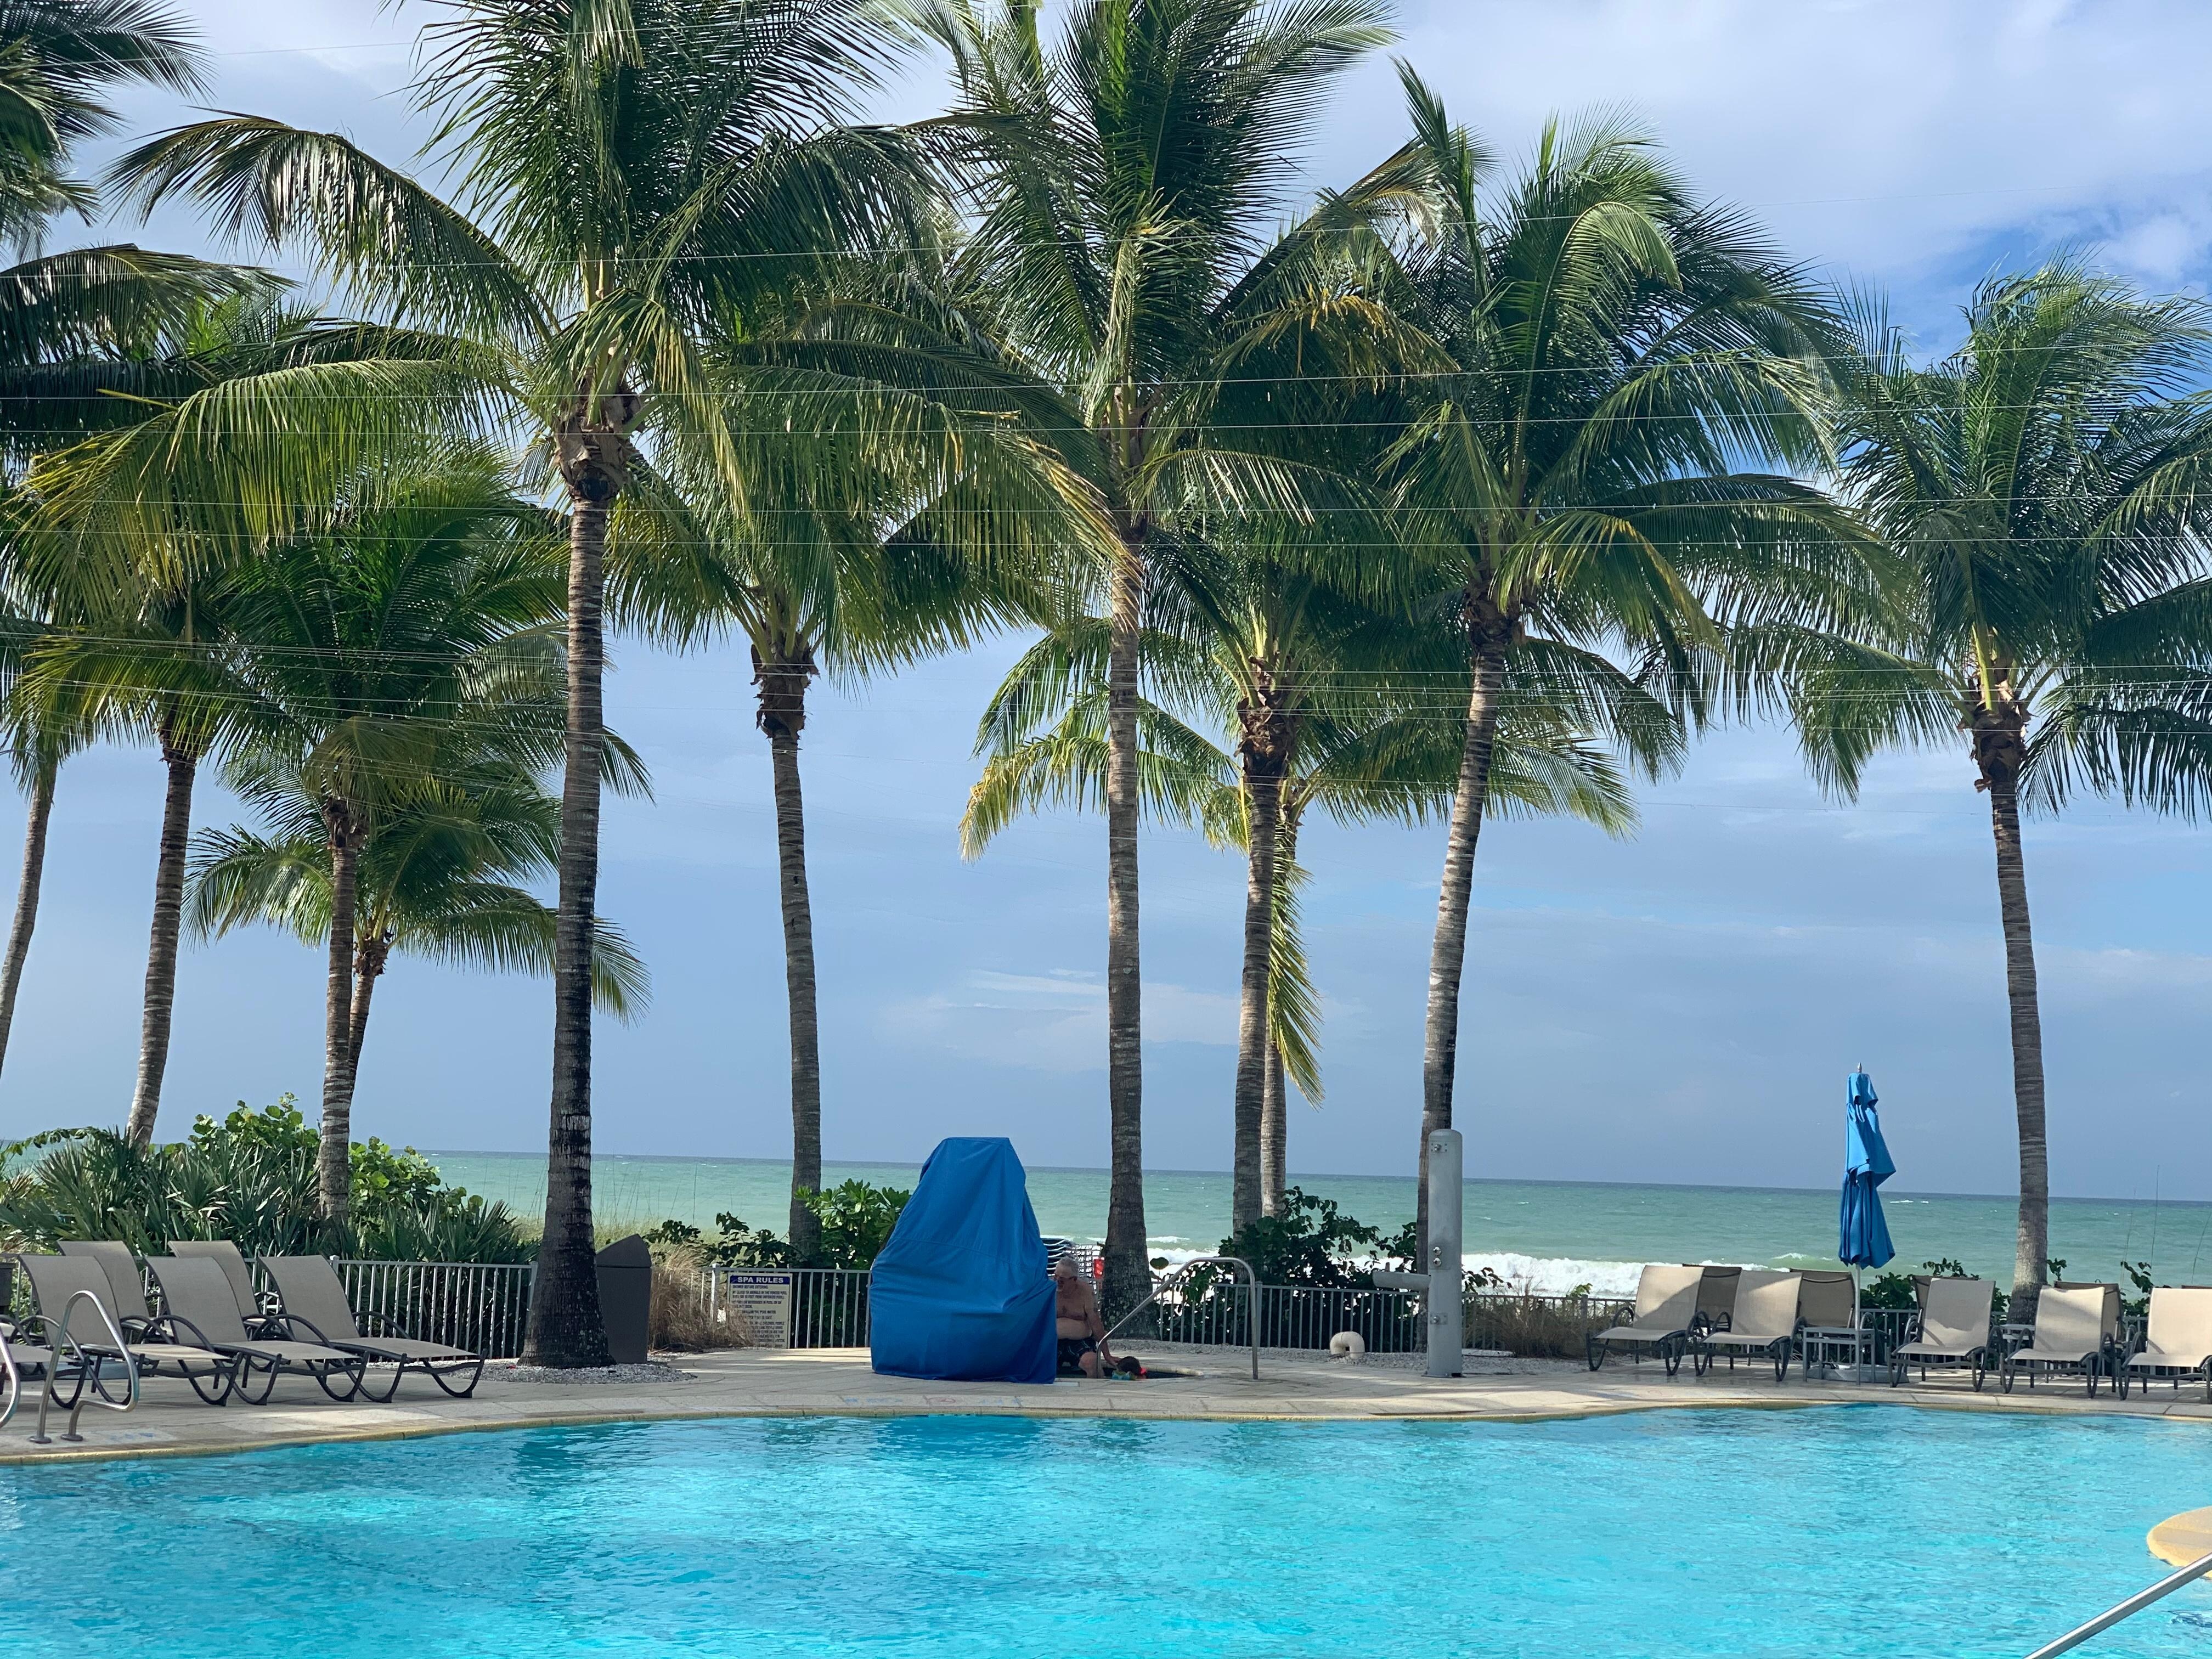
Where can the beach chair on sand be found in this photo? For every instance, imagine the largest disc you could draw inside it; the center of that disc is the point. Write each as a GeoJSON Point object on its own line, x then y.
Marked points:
{"type": "Point", "coordinates": [253, 1306]}
{"type": "Point", "coordinates": [2177, 1343]}
{"type": "Point", "coordinates": [1666, 1311]}
{"type": "Point", "coordinates": [1763, 1324]}
{"type": "Point", "coordinates": [1951, 1328]}
{"type": "Point", "coordinates": [58, 1280]}
{"type": "Point", "coordinates": [315, 1304]}
{"type": "Point", "coordinates": [2077, 1327]}
{"type": "Point", "coordinates": [199, 1304]}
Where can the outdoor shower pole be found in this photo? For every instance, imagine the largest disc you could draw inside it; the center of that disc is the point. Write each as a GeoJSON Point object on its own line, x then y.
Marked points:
{"type": "Point", "coordinates": [1447, 1313]}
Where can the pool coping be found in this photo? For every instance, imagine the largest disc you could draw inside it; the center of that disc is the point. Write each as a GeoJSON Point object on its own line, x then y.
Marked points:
{"type": "Point", "coordinates": [740, 1385]}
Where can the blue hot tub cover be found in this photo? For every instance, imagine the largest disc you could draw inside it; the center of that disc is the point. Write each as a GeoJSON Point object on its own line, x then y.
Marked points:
{"type": "Point", "coordinates": [961, 1292]}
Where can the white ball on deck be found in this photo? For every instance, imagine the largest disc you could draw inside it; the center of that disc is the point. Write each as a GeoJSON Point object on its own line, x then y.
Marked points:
{"type": "Point", "coordinates": [1347, 1344]}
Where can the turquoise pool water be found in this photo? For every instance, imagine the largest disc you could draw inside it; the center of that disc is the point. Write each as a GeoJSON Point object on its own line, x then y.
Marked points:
{"type": "Point", "coordinates": [1841, 1532]}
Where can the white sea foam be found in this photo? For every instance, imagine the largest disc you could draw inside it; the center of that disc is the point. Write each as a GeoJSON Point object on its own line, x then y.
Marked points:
{"type": "Point", "coordinates": [1540, 1275]}
{"type": "Point", "coordinates": [1557, 1275]}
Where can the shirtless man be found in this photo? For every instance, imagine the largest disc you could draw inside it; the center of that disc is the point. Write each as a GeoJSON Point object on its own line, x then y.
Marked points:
{"type": "Point", "coordinates": [1082, 1328]}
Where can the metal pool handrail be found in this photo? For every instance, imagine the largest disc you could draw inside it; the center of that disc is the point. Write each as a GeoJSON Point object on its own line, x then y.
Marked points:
{"type": "Point", "coordinates": [1167, 1281]}
{"type": "Point", "coordinates": [85, 1383]}
{"type": "Point", "coordinates": [2133, 1605]}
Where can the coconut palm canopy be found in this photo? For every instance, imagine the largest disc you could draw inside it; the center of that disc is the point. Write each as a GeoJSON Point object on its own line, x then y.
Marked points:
{"type": "Point", "coordinates": [1462, 489]}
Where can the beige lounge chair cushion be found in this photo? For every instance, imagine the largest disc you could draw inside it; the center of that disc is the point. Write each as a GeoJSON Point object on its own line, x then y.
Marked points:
{"type": "Point", "coordinates": [1766, 1310]}
{"type": "Point", "coordinates": [2068, 1325]}
{"type": "Point", "coordinates": [2180, 1334]}
{"type": "Point", "coordinates": [1666, 1302]}
{"type": "Point", "coordinates": [1828, 1298]}
{"type": "Point", "coordinates": [1954, 1320]}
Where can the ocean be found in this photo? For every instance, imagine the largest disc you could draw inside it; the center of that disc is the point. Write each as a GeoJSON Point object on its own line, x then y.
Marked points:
{"type": "Point", "coordinates": [1550, 1236]}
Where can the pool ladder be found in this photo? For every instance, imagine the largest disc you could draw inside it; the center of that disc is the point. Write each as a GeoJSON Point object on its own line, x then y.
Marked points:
{"type": "Point", "coordinates": [2133, 1605]}
{"type": "Point", "coordinates": [11, 1381]}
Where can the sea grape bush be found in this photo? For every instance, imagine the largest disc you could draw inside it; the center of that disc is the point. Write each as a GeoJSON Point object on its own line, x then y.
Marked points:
{"type": "Point", "coordinates": [856, 1221]}
{"type": "Point", "coordinates": [249, 1178]}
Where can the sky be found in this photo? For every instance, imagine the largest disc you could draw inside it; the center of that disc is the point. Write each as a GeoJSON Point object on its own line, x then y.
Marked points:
{"type": "Point", "coordinates": [1680, 1006]}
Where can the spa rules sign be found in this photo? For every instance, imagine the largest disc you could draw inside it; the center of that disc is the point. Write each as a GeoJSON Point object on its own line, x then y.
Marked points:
{"type": "Point", "coordinates": [759, 1305]}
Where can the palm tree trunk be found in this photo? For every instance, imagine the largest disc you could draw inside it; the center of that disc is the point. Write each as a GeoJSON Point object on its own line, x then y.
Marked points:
{"type": "Point", "coordinates": [1275, 1135]}
{"type": "Point", "coordinates": [782, 678]}
{"type": "Point", "coordinates": [161, 948]}
{"type": "Point", "coordinates": [1490, 633]}
{"type": "Point", "coordinates": [27, 895]}
{"type": "Point", "coordinates": [1128, 1276]}
{"type": "Point", "coordinates": [1262, 759]}
{"type": "Point", "coordinates": [370, 954]}
{"type": "Point", "coordinates": [1275, 1113]}
{"type": "Point", "coordinates": [1998, 751]}
{"type": "Point", "coordinates": [333, 1168]}
{"type": "Point", "coordinates": [566, 1329]}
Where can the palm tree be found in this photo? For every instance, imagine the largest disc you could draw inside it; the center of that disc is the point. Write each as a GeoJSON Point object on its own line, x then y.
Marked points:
{"type": "Point", "coordinates": [853, 558]}
{"type": "Point", "coordinates": [1323, 703]}
{"type": "Point", "coordinates": [1124, 185]}
{"type": "Point", "coordinates": [167, 672]}
{"type": "Point", "coordinates": [37, 755]}
{"type": "Point", "coordinates": [629, 172]}
{"type": "Point", "coordinates": [420, 615]}
{"type": "Point", "coordinates": [134, 532]}
{"type": "Point", "coordinates": [1609, 359]}
{"type": "Point", "coordinates": [2043, 486]}
{"type": "Point", "coordinates": [443, 873]}
{"type": "Point", "coordinates": [77, 324]}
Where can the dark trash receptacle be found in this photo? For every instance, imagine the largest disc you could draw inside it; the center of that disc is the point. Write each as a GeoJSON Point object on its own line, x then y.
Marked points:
{"type": "Point", "coordinates": [626, 1298]}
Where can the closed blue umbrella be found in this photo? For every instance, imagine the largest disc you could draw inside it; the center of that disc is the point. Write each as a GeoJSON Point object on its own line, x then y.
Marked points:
{"type": "Point", "coordinates": [1867, 1165]}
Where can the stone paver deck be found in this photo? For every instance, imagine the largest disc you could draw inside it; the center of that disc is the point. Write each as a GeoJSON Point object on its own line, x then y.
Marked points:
{"type": "Point", "coordinates": [169, 1420]}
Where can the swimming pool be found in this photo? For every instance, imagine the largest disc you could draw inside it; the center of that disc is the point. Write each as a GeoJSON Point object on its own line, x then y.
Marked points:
{"type": "Point", "coordinates": [1837, 1531]}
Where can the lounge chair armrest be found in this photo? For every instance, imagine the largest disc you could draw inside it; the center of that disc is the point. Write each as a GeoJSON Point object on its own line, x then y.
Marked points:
{"type": "Point", "coordinates": [174, 1327]}
{"type": "Point", "coordinates": [290, 1326]}
{"type": "Point", "coordinates": [377, 1323]}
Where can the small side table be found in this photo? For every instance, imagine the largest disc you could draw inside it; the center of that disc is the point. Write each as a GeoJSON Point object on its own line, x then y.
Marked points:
{"type": "Point", "coordinates": [1849, 1353]}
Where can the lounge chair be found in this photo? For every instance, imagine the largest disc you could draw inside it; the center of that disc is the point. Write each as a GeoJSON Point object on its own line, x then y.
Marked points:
{"type": "Point", "coordinates": [2076, 1328]}
{"type": "Point", "coordinates": [199, 1302]}
{"type": "Point", "coordinates": [1951, 1328]}
{"type": "Point", "coordinates": [19, 1357]}
{"type": "Point", "coordinates": [253, 1306]}
{"type": "Point", "coordinates": [58, 1280]}
{"type": "Point", "coordinates": [1763, 1322]}
{"type": "Point", "coordinates": [124, 1277]}
{"type": "Point", "coordinates": [1666, 1310]}
{"type": "Point", "coordinates": [1716, 1294]}
{"type": "Point", "coordinates": [1830, 1320]}
{"type": "Point", "coordinates": [2177, 1343]}
{"type": "Point", "coordinates": [315, 1303]}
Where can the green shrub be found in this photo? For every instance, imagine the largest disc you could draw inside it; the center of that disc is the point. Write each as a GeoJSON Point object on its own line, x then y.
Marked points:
{"type": "Point", "coordinates": [856, 1223]}
{"type": "Point", "coordinates": [249, 1178]}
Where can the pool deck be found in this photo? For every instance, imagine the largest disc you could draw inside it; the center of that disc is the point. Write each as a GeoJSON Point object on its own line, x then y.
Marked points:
{"type": "Point", "coordinates": [169, 1420]}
